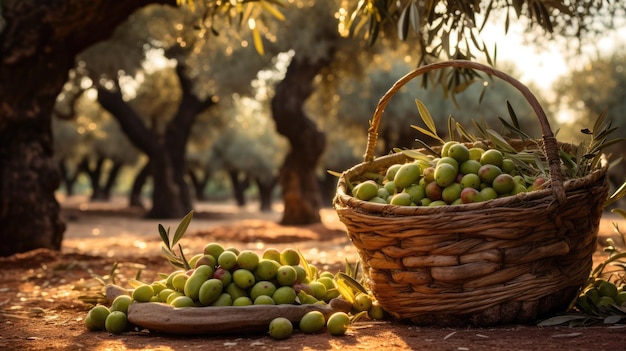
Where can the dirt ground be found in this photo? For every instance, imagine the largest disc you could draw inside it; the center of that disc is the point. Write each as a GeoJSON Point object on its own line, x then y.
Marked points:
{"type": "Point", "coordinates": [40, 307]}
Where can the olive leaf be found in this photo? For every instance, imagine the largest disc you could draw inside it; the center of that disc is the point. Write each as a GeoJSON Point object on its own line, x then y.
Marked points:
{"type": "Point", "coordinates": [571, 167]}
{"type": "Point", "coordinates": [347, 282]}
{"type": "Point", "coordinates": [136, 283]}
{"type": "Point", "coordinates": [425, 146]}
{"type": "Point", "coordinates": [600, 121]}
{"type": "Point", "coordinates": [480, 129]}
{"type": "Point", "coordinates": [307, 268]}
{"type": "Point", "coordinates": [426, 132]}
{"type": "Point", "coordinates": [416, 155]}
{"type": "Point", "coordinates": [539, 163]}
{"type": "Point", "coordinates": [182, 227]}
{"type": "Point", "coordinates": [349, 269]}
{"type": "Point", "coordinates": [108, 280]}
{"type": "Point", "coordinates": [403, 23]}
{"type": "Point", "coordinates": [560, 320]}
{"type": "Point", "coordinates": [613, 319]}
{"type": "Point", "coordinates": [463, 132]}
{"type": "Point", "coordinates": [334, 173]}
{"type": "Point", "coordinates": [415, 16]}
{"type": "Point", "coordinates": [168, 246]}
{"type": "Point", "coordinates": [350, 282]}
{"type": "Point", "coordinates": [183, 258]}
{"type": "Point", "coordinates": [345, 291]}
{"type": "Point", "coordinates": [512, 115]}
{"type": "Point", "coordinates": [170, 256]}
{"type": "Point", "coordinates": [357, 317]}
{"type": "Point", "coordinates": [524, 162]}
{"type": "Point", "coordinates": [514, 129]}
{"type": "Point", "coordinates": [599, 269]}
{"type": "Point", "coordinates": [165, 235]}
{"type": "Point", "coordinates": [93, 299]}
{"type": "Point", "coordinates": [113, 273]}
{"type": "Point", "coordinates": [619, 211]}
{"type": "Point", "coordinates": [591, 152]}
{"type": "Point", "coordinates": [451, 128]}
{"type": "Point", "coordinates": [427, 118]}
{"type": "Point", "coordinates": [499, 141]}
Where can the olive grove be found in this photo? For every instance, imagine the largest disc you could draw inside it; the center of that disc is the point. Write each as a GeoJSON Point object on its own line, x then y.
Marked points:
{"type": "Point", "coordinates": [42, 41]}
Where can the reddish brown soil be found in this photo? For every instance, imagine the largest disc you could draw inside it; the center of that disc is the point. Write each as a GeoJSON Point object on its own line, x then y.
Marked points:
{"type": "Point", "coordinates": [40, 307]}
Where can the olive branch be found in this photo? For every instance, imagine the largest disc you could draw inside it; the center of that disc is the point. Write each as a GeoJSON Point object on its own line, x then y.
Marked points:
{"type": "Point", "coordinates": [168, 248]}
{"type": "Point", "coordinates": [110, 279]}
{"type": "Point", "coordinates": [531, 161]}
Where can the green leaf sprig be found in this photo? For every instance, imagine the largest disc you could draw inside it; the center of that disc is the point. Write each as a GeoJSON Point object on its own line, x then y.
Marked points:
{"type": "Point", "coordinates": [168, 249]}
{"type": "Point", "coordinates": [532, 161]}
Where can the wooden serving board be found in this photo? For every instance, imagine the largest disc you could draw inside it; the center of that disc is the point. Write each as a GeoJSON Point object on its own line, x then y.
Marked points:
{"type": "Point", "coordinates": [164, 318]}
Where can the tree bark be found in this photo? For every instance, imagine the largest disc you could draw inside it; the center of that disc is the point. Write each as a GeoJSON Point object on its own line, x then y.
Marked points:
{"type": "Point", "coordinates": [112, 178]}
{"type": "Point", "coordinates": [170, 194]}
{"type": "Point", "coordinates": [266, 187]}
{"type": "Point", "coordinates": [165, 194]}
{"type": "Point", "coordinates": [177, 134]}
{"type": "Point", "coordinates": [68, 179]}
{"type": "Point", "coordinates": [199, 183]}
{"type": "Point", "coordinates": [38, 43]}
{"type": "Point", "coordinates": [94, 174]}
{"type": "Point", "coordinates": [239, 187]}
{"type": "Point", "coordinates": [300, 188]}
{"type": "Point", "coordinates": [138, 183]}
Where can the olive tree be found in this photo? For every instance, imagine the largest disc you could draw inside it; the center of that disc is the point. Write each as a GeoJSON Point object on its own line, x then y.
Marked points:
{"type": "Point", "coordinates": [39, 41]}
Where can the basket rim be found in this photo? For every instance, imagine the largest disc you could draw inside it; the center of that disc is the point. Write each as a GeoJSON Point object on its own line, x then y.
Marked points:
{"type": "Point", "coordinates": [344, 200]}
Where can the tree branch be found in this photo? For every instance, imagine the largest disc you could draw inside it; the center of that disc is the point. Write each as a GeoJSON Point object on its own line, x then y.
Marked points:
{"type": "Point", "coordinates": [142, 137]}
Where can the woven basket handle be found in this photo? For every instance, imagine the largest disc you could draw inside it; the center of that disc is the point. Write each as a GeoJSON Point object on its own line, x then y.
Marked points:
{"type": "Point", "coordinates": [550, 145]}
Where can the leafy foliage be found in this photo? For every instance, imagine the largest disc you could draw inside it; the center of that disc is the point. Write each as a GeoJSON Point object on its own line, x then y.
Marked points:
{"type": "Point", "coordinates": [451, 29]}
{"type": "Point", "coordinates": [241, 12]}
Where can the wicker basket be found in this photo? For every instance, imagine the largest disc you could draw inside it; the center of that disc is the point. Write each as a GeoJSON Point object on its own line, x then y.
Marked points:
{"type": "Point", "coordinates": [507, 260]}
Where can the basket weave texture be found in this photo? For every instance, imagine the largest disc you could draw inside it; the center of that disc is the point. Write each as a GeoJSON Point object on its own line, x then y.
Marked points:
{"type": "Point", "coordinates": [507, 260]}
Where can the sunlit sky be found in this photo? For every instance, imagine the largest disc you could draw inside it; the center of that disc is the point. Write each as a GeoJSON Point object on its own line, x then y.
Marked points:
{"type": "Point", "coordinates": [542, 66]}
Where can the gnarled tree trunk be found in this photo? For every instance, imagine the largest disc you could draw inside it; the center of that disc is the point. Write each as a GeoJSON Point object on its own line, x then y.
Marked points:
{"type": "Point", "coordinates": [266, 187]}
{"type": "Point", "coordinates": [38, 43]}
{"type": "Point", "coordinates": [239, 184]}
{"type": "Point", "coordinates": [134, 199]}
{"type": "Point", "coordinates": [99, 191]}
{"type": "Point", "coordinates": [68, 179]}
{"type": "Point", "coordinates": [165, 191]}
{"type": "Point", "coordinates": [297, 178]}
{"type": "Point", "coordinates": [199, 183]}
{"type": "Point", "coordinates": [170, 194]}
